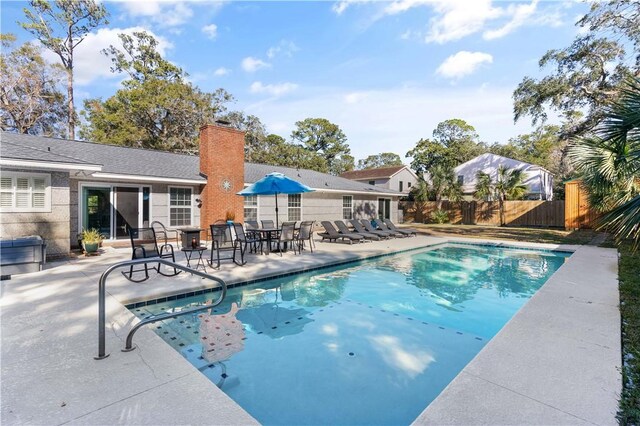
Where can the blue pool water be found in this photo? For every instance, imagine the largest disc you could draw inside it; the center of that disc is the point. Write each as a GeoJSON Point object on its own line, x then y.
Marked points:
{"type": "Point", "coordinates": [369, 343]}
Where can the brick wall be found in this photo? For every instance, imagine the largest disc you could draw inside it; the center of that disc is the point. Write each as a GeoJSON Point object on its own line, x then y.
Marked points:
{"type": "Point", "coordinates": [222, 161]}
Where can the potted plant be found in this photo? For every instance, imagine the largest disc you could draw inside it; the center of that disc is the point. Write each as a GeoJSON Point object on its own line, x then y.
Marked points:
{"type": "Point", "coordinates": [230, 217]}
{"type": "Point", "coordinates": [91, 240]}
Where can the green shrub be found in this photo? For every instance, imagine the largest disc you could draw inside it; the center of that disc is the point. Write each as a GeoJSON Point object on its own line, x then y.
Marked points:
{"type": "Point", "coordinates": [440, 216]}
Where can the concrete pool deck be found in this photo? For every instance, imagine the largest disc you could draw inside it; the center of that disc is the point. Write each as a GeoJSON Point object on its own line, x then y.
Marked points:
{"type": "Point", "coordinates": [555, 362]}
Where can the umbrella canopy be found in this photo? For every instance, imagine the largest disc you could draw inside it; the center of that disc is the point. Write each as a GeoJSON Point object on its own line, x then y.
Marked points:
{"type": "Point", "coordinates": [274, 184]}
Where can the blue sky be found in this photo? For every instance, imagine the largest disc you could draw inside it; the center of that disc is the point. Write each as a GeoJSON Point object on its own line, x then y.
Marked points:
{"type": "Point", "coordinates": [387, 72]}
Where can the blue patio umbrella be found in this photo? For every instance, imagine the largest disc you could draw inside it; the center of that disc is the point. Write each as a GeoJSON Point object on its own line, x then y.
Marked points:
{"type": "Point", "coordinates": [274, 184]}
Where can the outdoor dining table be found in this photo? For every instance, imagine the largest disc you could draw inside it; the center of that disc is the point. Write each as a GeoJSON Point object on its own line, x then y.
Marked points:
{"type": "Point", "coordinates": [269, 234]}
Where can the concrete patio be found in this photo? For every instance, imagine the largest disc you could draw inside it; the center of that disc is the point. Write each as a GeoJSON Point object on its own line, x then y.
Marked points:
{"type": "Point", "coordinates": [555, 362]}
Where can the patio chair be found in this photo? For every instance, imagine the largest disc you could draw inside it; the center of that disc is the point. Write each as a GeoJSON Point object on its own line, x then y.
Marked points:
{"type": "Point", "coordinates": [222, 242]}
{"type": "Point", "coordinates": [407, 231]}
{"type": "Point", "coordinates": [383, 227]}
{"type": "Point", "coordinates": [332, 234]}
{"type": "Point", "coordinates": [254, 236]}
{"type": "Point", "coordinates": [369, 227]}
{"type": "Point", "coordinates": [252, 224]}
{"type": "Point", "coordinates": [305, 234]}
{"type": "Point", "coordinates": [145, 246]}
{"type": "Point", "coordinates": [342, 227]}
{"type": "Point", "coordinates": [357, 225]}
{"type": "Point", "coordinates": [165, 233]}
{"type": "Point", "coordinates": [287, 236]}
{"type": "Point", "coordinates": [268, 224]}
{"type": "Point", "coordinates": [243, 242]}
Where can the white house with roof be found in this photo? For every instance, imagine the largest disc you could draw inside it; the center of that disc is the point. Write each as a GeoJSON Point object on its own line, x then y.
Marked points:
{"type": "Point", "coordinates": [55, 188]}
{"type": "Point", "coordinates": [538, 179]}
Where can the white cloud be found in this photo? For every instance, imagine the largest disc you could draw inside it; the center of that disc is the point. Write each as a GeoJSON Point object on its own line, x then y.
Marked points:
{"type": "Point", "coordinates": [251, 64]}
{"type": "Point", "coordinates": [340, 6]}
{"type": "Point", "coordinates": [355, 97]}
{"type": "Point", "coordinates": [272, 89]}
{"type": "Point", "coordinates": [211, 31]}
{"type": "Point", "coordinates": [284, 48]}
{"type": "Point", "coordinates": [460, 18]}
{"type": "Point", "coordinates": [222, 71]}
{"type": "Point", "coordinates": [91, 64]}
{"type": "Point", "coordinates": [520, 14]}
{"type": "Point", "coordinates": [463, 63]}
{"type": "Point", "coordinates": [163, 13]}
{"type": "Point", "coordinates": [395, 118]}
{"type": "Point", "coordinates": [456, 19]}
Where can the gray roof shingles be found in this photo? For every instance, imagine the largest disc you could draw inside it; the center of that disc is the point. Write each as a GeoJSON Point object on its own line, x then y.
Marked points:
{"type": "Point", "coordinates": [153, 163]}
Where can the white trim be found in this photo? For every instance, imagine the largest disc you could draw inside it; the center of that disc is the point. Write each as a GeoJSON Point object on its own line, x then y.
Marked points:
{"type": "Point", "coordinates": [49, 165]}
{"type": "Point", "coordinates": [301, 207]}
{"type": "Point", "coordinates": [192, 207]}
{"type": "Point", "coordinates": [405, 167]}
{"type": "Point", "coordinates": [148, 178]}
{"type": "Point", "coordinates": [81, 206]}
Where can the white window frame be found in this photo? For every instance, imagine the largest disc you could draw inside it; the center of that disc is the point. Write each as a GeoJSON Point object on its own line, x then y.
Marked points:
{"type": "Point", "coordinates": [289, 208]}
{"type": "Point", "coordinates": [350, 207]}
{"type": "Point", "coordinates": [191, 207]}
{"type": "Point", "coordinates": [30, 176]}
{"type": "Point", "coordinates": [257, 207]}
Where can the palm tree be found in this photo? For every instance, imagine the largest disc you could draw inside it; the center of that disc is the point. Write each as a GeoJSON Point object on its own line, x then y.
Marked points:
{"type": "Point", "coordinates": [444, 184]}
{"type": "Point", "coordinates": [420, 194]}
{"type": "Point", "coordinates": [609, 163]}
{"type": "Point", "coordinates": [484, 188]}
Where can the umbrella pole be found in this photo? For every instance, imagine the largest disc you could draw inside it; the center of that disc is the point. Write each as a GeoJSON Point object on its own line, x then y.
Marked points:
{"type": "Point", "coordinates": [276, 209]}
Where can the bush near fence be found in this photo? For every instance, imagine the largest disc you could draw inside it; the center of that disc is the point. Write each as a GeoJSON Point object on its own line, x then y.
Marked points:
{"type": "Point", "coordinates": [517, 213]}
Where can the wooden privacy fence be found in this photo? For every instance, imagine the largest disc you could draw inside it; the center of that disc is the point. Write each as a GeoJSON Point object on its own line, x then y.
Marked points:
{"type": "Point", "coordinates": [578, 214]}
{"type": "Point", "coordinates": [517, 213]}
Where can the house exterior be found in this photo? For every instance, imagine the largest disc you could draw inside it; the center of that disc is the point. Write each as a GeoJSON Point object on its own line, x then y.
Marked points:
{"type": "Point", "coordinates": [395, 178]}
{"type": "Point", "coordinates": [538, 179]}
{"type": "Point", "coordinates": [55, 188]}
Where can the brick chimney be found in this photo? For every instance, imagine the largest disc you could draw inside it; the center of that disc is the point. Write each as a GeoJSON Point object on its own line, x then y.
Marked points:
{"type": "Point", "coordinates": [222, 161]}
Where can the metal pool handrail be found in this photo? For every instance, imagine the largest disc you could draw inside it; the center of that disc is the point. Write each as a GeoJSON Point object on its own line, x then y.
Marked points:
{"type": "Point", "coordinates": [102, 301]}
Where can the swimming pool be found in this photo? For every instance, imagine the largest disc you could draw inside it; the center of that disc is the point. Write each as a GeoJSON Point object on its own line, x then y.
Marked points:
{"type": "Point", "coordinates": [367, 343]}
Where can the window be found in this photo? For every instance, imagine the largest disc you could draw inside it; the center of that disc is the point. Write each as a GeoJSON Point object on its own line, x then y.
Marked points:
{"type": "Point", "coordinates": [460, 179]}
{"type": "Point", "coordinates": [24, 192]}
{"type": "Point", "coordinates": [179, 206]}
{"type": "Point", "coordinates": [408, 184]}
{"type": "Point", "coordinates": [295, 207]}
{"type": "Point", "coordinates": [400, 187]}
{"type": "Point", "coordinates": [347, 207]}
{"type": "Point", "coordinates": [372, 182]}
{"type": "Point", "coordinates": [251, 207]}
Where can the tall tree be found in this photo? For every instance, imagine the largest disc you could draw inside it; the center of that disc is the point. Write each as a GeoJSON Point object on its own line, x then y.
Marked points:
{"type": "Point", "coordinates": [608, 160]}
{"type": "Point", "coordinates": [444, 184]}
{"type": "Point", "coordinates": [454, 142]}
{"type": "Point", "coordinates": [589, 73]}
{"type": "Point", "coordinates": [156, 108]}
{"type": "Point", "coordinates": [384, 159]}
{"type": "Point", "coordinates": [327, 139]}
{"type": "Point", "coordinates": [61, 27]}
{"type": "Point", "coordinates": [30, 99]}
{"type": "Point", "coordinates": [255, 133]}
{"type": "Point", "coordinates": [276, 151]}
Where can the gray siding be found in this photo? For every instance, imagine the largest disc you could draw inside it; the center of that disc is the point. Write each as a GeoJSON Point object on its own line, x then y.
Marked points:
{"type": "Point", "coordinates": [321, 206]}
{"type": "Point", "coordinates": [53, 226]}
{"type": "Point", "coordinates": [403, 176]}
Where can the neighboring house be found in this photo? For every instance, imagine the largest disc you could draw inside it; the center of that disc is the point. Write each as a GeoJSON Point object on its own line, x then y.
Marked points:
{"type": "Point", "coordinates": [56, 187]}
{"type": "Point", "coordinates": [395, 178]}
{"type": "Point", "coordinates": [538, 180]}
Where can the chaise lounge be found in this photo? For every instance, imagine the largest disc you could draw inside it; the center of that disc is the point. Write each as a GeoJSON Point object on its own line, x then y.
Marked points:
{"type": "Point", "coordinates": [332, 234]}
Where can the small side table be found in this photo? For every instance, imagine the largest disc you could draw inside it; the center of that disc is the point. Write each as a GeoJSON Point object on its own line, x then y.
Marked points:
{"type": "Point", "coordinates": [189, 253]}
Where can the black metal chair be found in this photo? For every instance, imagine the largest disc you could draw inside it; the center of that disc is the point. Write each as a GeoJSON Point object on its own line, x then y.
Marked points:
{"type": "Point", "coordinates": [145, 246]}
{"type": "Point", "coordinates": [305, 234]}
{"type": "Point", "coordinates": [165, 233]}
{"type": "Point", "coordinates": [222, 241]}
{"type": "Point", "coordinates": [246, 240]}
{"type": "Point", "coordinates": [268, 224]}
{"type": "Point", "coordinates": [255, 237]}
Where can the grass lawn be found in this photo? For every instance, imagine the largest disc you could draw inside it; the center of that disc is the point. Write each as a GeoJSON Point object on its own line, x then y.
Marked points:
{"type": "Point", "coordinates": [532, 235]}
{"type": "Point", "coordinates": [629, 273]}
